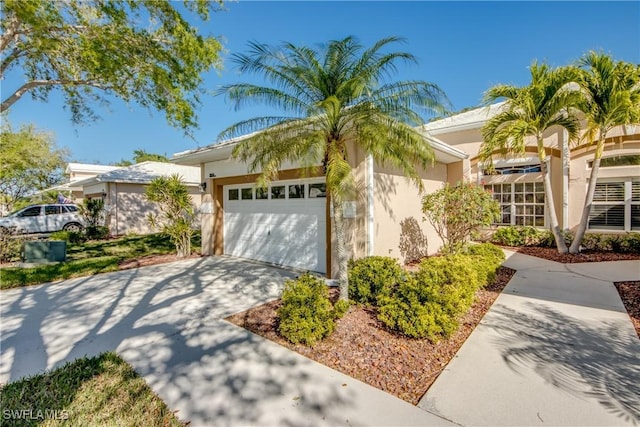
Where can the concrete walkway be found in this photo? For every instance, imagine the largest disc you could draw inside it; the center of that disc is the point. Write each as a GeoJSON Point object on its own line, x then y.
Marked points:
{"type": "Point", "coordinates": [556, 348]}
{"type": "Point", "coordinates": [167, 322]}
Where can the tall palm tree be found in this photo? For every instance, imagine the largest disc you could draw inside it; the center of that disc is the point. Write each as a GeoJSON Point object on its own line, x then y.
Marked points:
{"type": "Point", "coordinates": [339, 94]}
{"type": "Point", "coordinates": [611, 98]}
{"type": "Point", "coordinates": [528, 112]}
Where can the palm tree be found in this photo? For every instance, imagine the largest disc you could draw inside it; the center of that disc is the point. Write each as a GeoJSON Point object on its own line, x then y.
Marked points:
{"type": "Point", "coordinates": [611, 97]}
{"type": "Point", "coordinates": [528, 112]}
{"type": "Point", "coordinates": [331, 97]}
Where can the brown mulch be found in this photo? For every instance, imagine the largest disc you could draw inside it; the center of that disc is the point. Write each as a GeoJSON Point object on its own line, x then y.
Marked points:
{"type": "Point", "coordinates": [585, 256]}
{"type": "Point", "coordinates": [630, 295]}
{"type": "Point", "coordinates": [362, 348]}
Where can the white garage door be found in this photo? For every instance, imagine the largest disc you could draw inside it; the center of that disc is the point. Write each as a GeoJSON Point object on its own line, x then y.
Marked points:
{"type": "Point", "coordinates": [284, 224]}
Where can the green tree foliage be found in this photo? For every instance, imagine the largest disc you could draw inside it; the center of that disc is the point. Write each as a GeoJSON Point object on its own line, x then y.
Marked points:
{"type": "Point", "coordinates": [527, 113]}
{"type": "Point", "coordinates": [329, 98]}
{"type": "Point", "coordinates": [610, 97]}
{"type": "Point", "coordinates": [177, 215]}
{"type": "Point", "coordinates": [457, 211]}
{"type": "Point", "coordinates": [29, 162]}
{"type": "Point", "coordinates": [142, 51]}
{"type": "Point", "coordinates": [140, 156]}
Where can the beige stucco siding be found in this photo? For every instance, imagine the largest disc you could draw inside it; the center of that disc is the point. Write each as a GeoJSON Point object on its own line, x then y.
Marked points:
{"type": "Point", "coordinates": [128, 209]}
{"type": "Point", "coordinates": [399, 229]}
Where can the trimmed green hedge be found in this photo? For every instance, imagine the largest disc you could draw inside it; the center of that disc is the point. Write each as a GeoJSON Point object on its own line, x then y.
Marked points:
{"type": "Point", "coordinates": [306, 315]}
{"type": "Point", "coordinates": [373, 277]}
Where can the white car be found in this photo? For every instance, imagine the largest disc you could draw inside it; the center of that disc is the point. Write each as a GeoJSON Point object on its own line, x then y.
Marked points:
{"type": "Point", "coordinates": [43, 219]}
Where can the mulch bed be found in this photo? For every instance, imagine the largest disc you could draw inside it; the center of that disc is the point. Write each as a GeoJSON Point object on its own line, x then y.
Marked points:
{"type": "Point", "coordinates": [362, 348]}
{"type": "Point", "coordinates": [585, 256]}
{"type": "Point", "coordinates": [630, 295]}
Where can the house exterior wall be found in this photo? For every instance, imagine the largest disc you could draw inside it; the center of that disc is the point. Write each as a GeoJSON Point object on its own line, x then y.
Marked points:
{"type": "Point", "coordinates": [127, 208]}
{"type": "Point", "coordinates": [400, 231]}
{"type": "Point", "coordinates": [620, 141]}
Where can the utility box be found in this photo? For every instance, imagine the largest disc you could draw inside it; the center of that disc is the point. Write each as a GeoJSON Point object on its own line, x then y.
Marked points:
{"type": "Point", "coordinates": [44, 251]}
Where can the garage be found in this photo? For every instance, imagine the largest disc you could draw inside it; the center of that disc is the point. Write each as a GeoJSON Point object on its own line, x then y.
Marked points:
{"type": "Point", "coordinates": [284, 224]}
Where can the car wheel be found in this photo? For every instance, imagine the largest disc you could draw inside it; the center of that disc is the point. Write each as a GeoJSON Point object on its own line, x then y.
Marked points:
{"type": "Point", "coordinates": [73, 226]}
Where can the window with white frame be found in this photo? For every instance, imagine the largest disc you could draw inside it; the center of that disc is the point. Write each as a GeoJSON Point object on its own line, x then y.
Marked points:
{"type": "Point", "coordinates": [616, 205]}
{"type": "Point", "coordinates": [521, 203]}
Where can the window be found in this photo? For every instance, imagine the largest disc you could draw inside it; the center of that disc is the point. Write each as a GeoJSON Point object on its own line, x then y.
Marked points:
{"type": "Point", "coordinates": [262, 194]}
{"type": "Point", "coordinates": [296, 191]}
{"type": "Point", "coordinates": [510, 170]}
{"type": "Point", "coordinates": [317, 191]}
{"type": "Point", "coordinates": [277, 192]}
{"type": "Point", "coordinates": [608, 162]}
{"type": "Point", "coordinates": [32, 211]}
{"type": "Point", "coordinates": [234, 194]}
{"type": "Point", "coordinates": [616, 206]}
{"type": "Point", "coordinates": [246, 193]}
{"type": "Point", "coordinates": [520, 203]}
{"type": "Point", "coordinates": [51, 210]}
{"type": "Point", "coordinates": [69, 208]}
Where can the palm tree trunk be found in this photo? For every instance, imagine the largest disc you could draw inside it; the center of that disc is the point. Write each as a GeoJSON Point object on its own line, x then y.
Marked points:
{"type": "Point", "coordinates": [588, 200]}
{"type": "Point", "coordinates": [549, 202]}
{"type": "Point", "coordinates": [338, 224]}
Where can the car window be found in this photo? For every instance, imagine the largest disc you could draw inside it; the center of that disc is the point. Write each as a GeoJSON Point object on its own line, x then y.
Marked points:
{"type": "Point", "coordinates": [70, 208]}
{"type": "Point", "coordinates": [32, 211]}
{"type": "Point", "coordinates": [51, 210]}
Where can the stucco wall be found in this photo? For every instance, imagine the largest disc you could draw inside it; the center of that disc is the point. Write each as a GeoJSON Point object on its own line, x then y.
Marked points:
{"type": "Point", "coordinates": [399, 230]}
{"type": "Point", "coordinates": [127, 208]}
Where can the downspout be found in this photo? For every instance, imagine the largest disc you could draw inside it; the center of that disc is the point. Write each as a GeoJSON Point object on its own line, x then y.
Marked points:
{"type": "Point", "coordinates": [565, 180]}
{"type": "Point", "coordinates": [370, 212]}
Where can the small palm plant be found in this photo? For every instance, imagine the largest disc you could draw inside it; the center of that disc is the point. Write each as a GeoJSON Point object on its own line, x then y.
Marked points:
{"type": "Point", "coordinates": [330, 98]}
{"type": "Point", "coordinates": [177, 215]}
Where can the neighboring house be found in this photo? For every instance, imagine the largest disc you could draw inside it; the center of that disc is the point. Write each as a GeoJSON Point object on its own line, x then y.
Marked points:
{"type": "Point", "coordinates": [76, 172]}
{"type": "Point", "coordinates": [290, 223]}
{"type": "Point", "coordinates": [517, 182]}
{"type": "Point", "coordinates": [122, 190]}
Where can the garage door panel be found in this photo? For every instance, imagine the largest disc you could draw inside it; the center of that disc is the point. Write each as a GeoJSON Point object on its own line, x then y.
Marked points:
{"type": "Point", "coordinates": [289, 232]}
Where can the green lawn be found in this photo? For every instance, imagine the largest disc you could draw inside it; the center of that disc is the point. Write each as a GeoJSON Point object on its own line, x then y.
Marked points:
{"type": "Point", "coordinates": [90, 258]}
{"type": "Point", "coordinates": [102, 390]}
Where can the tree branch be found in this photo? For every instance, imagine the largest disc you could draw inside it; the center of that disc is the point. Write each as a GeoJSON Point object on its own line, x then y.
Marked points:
{"type": "Point", "coordinates": [11, 33]}
{"type": "Point", "coordinates": [38, 83]}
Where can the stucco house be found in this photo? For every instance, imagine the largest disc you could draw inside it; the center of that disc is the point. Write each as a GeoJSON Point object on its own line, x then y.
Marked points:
{"type": "Point", "coordinates": [290, 223]}
{"type": "Point", "coordinates": [517, 181]}
{"type": "Point", "coordinates": [76, 172]}
{"type": "Point", "coordinates": [122, 190]}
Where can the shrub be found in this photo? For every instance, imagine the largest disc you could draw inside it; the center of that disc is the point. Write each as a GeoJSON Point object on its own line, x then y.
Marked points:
{"type": "Point", "coordinates": [525, 236]}
{"type": "Point", "coordinates": [10, 246]}
{"type": "Point", "coordinates": [96, 232]}
{"type": "Point", "coordinates": [487, 259]}
{"type": "Point", "coordinates": [306, 315]}
{"type": "Point", "coordinates": [69, 236]}
{"type": "Point", "coordinates": [627, 243]}
{"type": "Point", "coordinates": [456, 212]}
{"type": "Point", "coordinates": [93, 213]}
{"type": "Point", "coordinates": [427, 303]}
{"type": "Point", "coordinates": [372, 277]}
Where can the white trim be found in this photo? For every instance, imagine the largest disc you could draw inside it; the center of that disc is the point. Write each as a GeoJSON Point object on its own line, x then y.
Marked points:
{"type": "Point", "coordinates": [370, 207]}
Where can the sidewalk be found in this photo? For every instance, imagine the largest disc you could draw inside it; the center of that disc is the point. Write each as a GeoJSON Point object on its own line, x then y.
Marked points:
{"type": "Point", "coordinates": [556, 348]}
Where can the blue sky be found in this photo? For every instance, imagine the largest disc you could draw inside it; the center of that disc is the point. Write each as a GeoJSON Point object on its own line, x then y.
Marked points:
{"type": "Point", "coordinates": [464, 47]}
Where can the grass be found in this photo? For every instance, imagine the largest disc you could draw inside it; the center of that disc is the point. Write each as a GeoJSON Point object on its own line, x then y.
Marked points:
{"type": "Point", "coordinates": [101, 390]}
{"type": "Point", "coordinates": [85, 259]}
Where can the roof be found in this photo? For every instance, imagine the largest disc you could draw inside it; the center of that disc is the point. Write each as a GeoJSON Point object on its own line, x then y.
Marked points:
{"type": "Point", "coordinates": [473, 119]}
{"type": "Point", "coordinates": [144, 173]}
{"type": "Point", "coordinates": [222, 150]}
{"type": "Point", "coordinates": [89, 168]}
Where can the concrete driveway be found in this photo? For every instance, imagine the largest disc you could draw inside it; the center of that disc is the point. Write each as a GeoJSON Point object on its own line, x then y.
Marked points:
{"type": "Point", "coordinates": [166, 321]}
